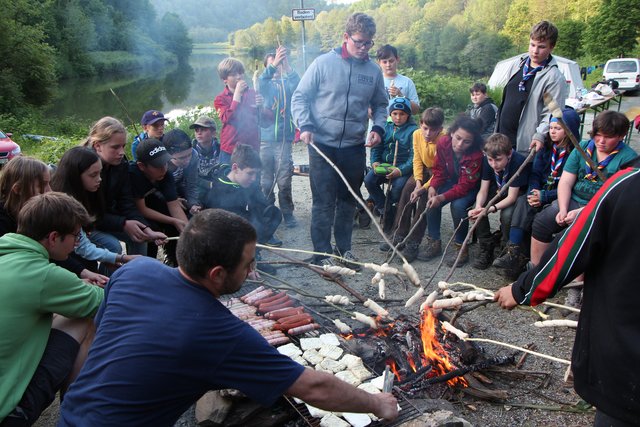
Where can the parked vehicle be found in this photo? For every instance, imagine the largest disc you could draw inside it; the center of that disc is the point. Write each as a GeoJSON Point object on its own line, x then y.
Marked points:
{"type": "Point", "coordinates": [626, 71]}
{"type": "Point", "coordinates": [8, 148]}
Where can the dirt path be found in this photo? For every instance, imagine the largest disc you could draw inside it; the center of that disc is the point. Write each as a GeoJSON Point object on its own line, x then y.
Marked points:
{"type": "Point", "coordinates": [514, 327]}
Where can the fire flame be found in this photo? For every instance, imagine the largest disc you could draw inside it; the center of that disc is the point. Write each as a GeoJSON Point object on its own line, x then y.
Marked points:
{"type": "Point", "coordinates": [433, 352]}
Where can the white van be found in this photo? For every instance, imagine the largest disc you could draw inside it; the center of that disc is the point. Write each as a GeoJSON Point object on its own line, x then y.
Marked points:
{"type": "Point", "coordinates": [626, 71]}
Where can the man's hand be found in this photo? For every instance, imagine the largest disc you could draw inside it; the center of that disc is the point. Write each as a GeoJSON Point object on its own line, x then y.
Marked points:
{"type": "Point", "coordinates": [415, 194]}
{"type": "Point", "coordinates": [395, 92]}
{"type": "Point", "coordinates": [135, 230]}
{"type": "Point", "coordinates": [195, 209]}
{"type": "Point", "coordinates": [157, 237]}
{"type": "Point", "coordinates": [386, 406]}
{"type": "Point", "coordinates": [572, 215]}
{"type": "Point", "coordinates": [93, 278]}
{"type": "Point", "coordinates": [281, 56]}
{"type": "Point", "coordinates": [259, 100]}
{"type": "Point", "coordinates": [306, 137]}
{"type": "Point", "coordinates": [373, 139]}
{"type": "Point", "coordinates": [435, 199]}
{"type": "Point", "coordinates": [179, 224]}
{"type": "Point", "coordinates": [561, 217]}
{"type": "Point", "coordinates": [504, 297]}
{"type": "Point", "coordinates": [241, 87]}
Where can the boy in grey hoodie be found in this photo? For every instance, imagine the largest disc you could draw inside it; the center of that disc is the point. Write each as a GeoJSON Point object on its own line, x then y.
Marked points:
{"type": "Point", "coordinates": [330, 106]}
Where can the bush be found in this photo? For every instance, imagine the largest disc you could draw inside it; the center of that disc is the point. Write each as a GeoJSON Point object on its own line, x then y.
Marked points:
{"type": "Point", "coordinates": [449, 92]}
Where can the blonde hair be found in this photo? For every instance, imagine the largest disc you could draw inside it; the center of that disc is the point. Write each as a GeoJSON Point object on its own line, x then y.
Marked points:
{"type": "Point", "coordinates": [230, 66]}
{"type": "Point", "coordinates": [103, 130]}
{"type": "Point", "coordinates": [21, 172]}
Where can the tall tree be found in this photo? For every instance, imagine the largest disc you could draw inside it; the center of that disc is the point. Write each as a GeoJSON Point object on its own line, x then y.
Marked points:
{"type": "Point", "coordinates": [615, 30]}
{"type": "Point", "coordinates": [174, 36]}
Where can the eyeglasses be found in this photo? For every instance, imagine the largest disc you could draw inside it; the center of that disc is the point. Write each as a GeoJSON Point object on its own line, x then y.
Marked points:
{"type": "Point", "coordinates": [77, 235]}
{"type": "Point", "coordinates": [361, 43]}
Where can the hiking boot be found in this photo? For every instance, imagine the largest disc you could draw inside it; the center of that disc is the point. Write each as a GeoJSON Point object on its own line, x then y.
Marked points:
{"type": "Point", "coordinates": [364, 220]}
{"type": "Point", "coordinates": [451, 256]}
{"type": "Point", "coordinates": [483, 258]}
{"type": "Point", "coordinates": [431, 249]}
{"type": "Point", "coordinates": [410, 251]}
{"type": "Point", "coordinates": [384, 246]}
{"type": "Point", "coordinates": [290, 221]}
{"type": "Point", "coordinates": [264, 266]}
{"type": "Point", "coordinates": [511, 263]}
{"type": "Point", "coordinates": [348, 260]}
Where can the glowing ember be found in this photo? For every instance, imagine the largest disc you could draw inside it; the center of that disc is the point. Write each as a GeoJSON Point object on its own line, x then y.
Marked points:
{"type": "Point", "coordinates": [394, 369]}
{"type": "Point", "coordinates": [433, 352]}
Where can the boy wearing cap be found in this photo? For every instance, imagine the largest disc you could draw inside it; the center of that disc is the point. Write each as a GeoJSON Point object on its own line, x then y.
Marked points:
{"type": "Point", "coordinates": [154, 192]}
{"type": "Point", "coordinates": [397, 151]}
{"type": "Point", "coordinates": [184, 168]}
{"type": "Point", "coordinates": [396, 84]}
{"type": "Point", "coordinates": [208, 148]}
{"type": "Point", "coordinates": [152, 122]}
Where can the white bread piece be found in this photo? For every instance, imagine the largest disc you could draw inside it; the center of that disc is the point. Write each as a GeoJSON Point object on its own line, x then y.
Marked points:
{"type": "Point", "coordinates": [331, 352]}
{"type": "Point", "coordinates": [331, 339]}
{"type": "Point", "coordinates": [348, 377]}
{"type": "Point", "coordinates": [360, 372]}
{"type": "Point", "coordinates": [357, 420]}
{"type": "Point", "coordinates": [290, 350]}
{"type": "Point", "coordinates": [316, 412]}
{"type": "Point", "coordinates": [350, 360]}
{"type": "Point", "coordinates": [330, 420]}
{"type": "Point", "coordinates": [369, 388]}
{"type": "Point", "coordinates": [312, 357]}
{"type": "Point", "coordinates": [332, 365]}
{"type": "Point", "coordinates": [310, 343]}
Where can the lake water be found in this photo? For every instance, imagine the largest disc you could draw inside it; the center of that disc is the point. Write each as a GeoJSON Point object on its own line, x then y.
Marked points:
{"type": "Point", "coordinates": [196, 84]}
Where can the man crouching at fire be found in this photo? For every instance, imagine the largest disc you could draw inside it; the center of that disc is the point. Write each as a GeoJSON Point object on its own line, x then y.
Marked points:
{"type": "Point", "coordinates": [606, 352]}
{"type": "Point", "coordinates": [164, 339]}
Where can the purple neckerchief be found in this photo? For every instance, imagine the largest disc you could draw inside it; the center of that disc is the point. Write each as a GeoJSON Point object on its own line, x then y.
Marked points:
{"type": "Point", "coordinates": [527, 72]}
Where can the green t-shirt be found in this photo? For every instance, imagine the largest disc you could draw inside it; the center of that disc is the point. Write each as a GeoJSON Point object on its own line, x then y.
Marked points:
{"type": "Point", "coordinates": [584, 189]}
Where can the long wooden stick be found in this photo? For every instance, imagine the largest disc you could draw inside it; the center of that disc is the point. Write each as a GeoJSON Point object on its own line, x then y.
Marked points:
{"type": "Point", "coordinates": [389, 186]}
{"type": "Point", "coordinates": [556, 111]}
{"type": "Point", "coordinates": [485, 211]}
{"type": "Point", "coordinates": [526, 350]}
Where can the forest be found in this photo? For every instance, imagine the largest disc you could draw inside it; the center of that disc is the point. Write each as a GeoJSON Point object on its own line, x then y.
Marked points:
{"type": "Point", "coordinates": [44, 41]}
{"type": "Point", "coordinates": [465, 37]}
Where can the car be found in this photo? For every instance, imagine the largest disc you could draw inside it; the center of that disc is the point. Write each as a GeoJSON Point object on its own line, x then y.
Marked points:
{"type": "Point", "coordinates": [626, 71]}
{"type": "Point", "coordinates": [8, 148]}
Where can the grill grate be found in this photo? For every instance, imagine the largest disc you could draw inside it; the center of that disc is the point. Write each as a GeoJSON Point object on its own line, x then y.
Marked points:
{"type": "Point", "coordinates": [407, 410]}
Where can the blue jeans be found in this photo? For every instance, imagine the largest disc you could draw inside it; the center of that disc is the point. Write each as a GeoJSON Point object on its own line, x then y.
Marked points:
{"type": "Point", "coordinates": [332, 204]}
{"type": "Point", "coordinates": [112, 241]}
{"type": "Point", "coordinates": [458, 211]}
{"type": "Point", "coordinates": [374, 183]}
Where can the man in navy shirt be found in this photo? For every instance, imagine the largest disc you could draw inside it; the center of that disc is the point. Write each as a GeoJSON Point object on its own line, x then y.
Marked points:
{"type": "Point", "coordinates": [164, 339]}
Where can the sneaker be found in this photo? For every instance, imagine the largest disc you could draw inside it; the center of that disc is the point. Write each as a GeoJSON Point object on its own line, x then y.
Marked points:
{"type": "Point", "coordinates": [450, 259]}
{"type": "Point", "coordinates": [348, 260]}
{"type": "Point", "coordinates": [273, 242]}
{"type": "Point", "coordinates": [290, 221]}
{"type": "Point", "coordinates": [432, 248]}
{"type": "Point", "coordinates": [410, 251]}
{"type": "Point", "coordinates": [484, 257]}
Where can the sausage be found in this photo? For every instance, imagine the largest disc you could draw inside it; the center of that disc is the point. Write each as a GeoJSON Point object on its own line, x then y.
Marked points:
{"type": "Point", "coordinates": [253, 292]}
{"type": "Point", "coordinates": [287, 326]}
{"type": "Point", "coordinates": [285, 304]}
{"type": "Point", "coordinates": [294, 318]}
{"type": "Point", "coordinates": [256, 297]}
{"type": "Point", "coordinates": [278, 340]}
{"type": "Point", "coordinates": [284, 312]}
{"type": "Point", "coordinates": [271, 298]}
{"type": "Point", "coordinates": [266, 306]}
{"type": "Point", "coordinates": [302, 329]}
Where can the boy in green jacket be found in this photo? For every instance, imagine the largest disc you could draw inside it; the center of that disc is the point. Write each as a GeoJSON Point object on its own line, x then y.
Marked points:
{"type": "Point", "coordinates": [43, 307]}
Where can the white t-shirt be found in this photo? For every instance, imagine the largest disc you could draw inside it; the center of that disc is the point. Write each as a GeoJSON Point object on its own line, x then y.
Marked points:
{"type": "Point", "coordinates": [406, 86]}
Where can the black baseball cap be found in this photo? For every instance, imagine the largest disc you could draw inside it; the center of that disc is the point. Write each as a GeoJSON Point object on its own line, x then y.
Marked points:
{"type": "Point", "coordinates": [150, 151]}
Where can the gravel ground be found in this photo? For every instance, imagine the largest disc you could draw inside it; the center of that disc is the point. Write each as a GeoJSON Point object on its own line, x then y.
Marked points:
{"type": "Point", "coordinates": [513, 327]}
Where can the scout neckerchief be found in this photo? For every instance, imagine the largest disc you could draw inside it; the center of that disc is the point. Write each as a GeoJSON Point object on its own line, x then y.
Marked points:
{"type": "Point", "coordinates": [528, 72]}
{"type": "Point", "coordinates": [501, 181]}
{"type": "Point", "coordinates": [590, 174]}
{"type": "Point", "coordinates": [557, 158]}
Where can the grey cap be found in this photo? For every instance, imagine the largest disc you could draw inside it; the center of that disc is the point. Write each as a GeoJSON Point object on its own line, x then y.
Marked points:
{"type": "Point", "coordinates": [204, 122]}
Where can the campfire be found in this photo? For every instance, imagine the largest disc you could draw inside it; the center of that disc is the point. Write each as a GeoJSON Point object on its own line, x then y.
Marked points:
{"type": "Point", "coordinates": [425, 360]}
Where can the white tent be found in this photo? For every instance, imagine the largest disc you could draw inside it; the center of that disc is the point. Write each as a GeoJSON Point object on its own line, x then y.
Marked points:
{"type": "Point", "coordinates": [569, 68]}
